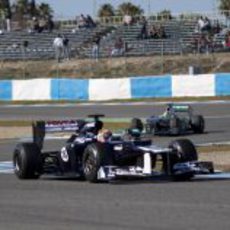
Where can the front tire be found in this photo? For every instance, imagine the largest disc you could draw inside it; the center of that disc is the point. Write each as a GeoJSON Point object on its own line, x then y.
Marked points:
{"type": "Point", "coordinates": [27, 161]}
{"type": "Point", "coordinates": [95, 156]}
{"type": "Point", "coordinates": [183, 150]}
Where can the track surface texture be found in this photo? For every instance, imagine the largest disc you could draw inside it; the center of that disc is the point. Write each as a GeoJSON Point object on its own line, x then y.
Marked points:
{"type": "Point", "coordinates": [51, 203]}
{"type": "Point", "coordinates": [217, 116]}
{"type": "Point", "coordinates": [65, 204]}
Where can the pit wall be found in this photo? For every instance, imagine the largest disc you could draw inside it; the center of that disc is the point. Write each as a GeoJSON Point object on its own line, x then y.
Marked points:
{"type": "Point", "coordinates": [205, 85]}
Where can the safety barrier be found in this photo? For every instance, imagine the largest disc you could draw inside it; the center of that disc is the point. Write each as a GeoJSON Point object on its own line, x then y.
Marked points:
{"type": "Point", "coordinates": [203, 85]}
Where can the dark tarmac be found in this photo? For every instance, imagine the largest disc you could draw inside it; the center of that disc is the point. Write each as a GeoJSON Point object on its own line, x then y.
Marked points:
{"type": "Point", "coordinates": [55, 204]}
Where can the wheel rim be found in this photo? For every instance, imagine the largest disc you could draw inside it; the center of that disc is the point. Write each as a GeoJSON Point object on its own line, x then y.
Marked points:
{"type": "Point", "coordinates": [90, 164]}
{"type": "Point", "coordinates": [18, 163]}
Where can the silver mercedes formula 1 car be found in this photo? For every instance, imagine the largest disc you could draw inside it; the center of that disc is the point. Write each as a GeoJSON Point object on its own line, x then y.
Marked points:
{"type": "Point", "coordinates": [95, 154]}
{"type": "Point", "coordinates": [176, 120]}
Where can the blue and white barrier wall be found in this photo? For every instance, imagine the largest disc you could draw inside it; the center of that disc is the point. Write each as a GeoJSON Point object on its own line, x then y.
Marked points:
{"type": "Point", "coordinates": [120, 88]}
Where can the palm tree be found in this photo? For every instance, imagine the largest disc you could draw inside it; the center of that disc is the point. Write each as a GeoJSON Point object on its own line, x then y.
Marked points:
{"type": "Point", "coordinates": [5, 10]}
{"type": "Point", "coordinates": [224, 6]}
{"type": "Point", "coordinates": [22, 7]}
{"type": "Point", "coordinates": [33, 8]}
{"type": "Point", "coordinates": [164, 15]}
{"type": "Point", "coordinates": [45, 10]}
{"type": "Point", "coordinates": [130, 9]}
{"type": "Point", "coordinates": [106, 10]}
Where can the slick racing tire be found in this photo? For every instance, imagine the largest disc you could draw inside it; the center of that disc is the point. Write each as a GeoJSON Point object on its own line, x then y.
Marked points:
{"type": "Point", "coordinates": [198, 124]}
{"type": "Point", "coordinates": [136, 123]}
{"type": "Point", "coordinates": [27, 161]}
{"type": "Point", "coordinates": [96, 155]}
{"type": "Point", "coordinates": [183, 150]}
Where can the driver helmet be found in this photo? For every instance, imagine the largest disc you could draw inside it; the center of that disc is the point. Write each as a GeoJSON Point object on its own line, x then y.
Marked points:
{"type": "Point", "coordinates": [104, 135]}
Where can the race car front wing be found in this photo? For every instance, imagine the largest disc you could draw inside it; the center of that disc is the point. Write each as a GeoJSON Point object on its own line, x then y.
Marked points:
{"type": "Point", "coordinates": [111, 172]}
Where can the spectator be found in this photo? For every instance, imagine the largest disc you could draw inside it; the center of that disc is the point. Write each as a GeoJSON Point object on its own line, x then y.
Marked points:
{"type": "Point", "coordinates": [58, 47]}
{"type": "Point", "coordinates": [162, 33]}
{"type": "Point", "coordinates": [8, 17]}
{"type": "Point", "coordinates": [95, 48]}
{"type": "Point", "coordinates": [204, 44]}
{"type": "Point", "coordinates": [144, 30]}
{"type": "Point", "coordinates": [50, 24]}
{"type": "Point", "coordinates": [157, 32]}
{"type": "Point", "coordinates": [8, 24]}
{"type": "Point", "coordinates": [216, 27]}
{"type": "Point", "coordinates": [227, 41]}
{"type": "Point", "coordinates": [200, 24]}
{"type": "Point", "coordinates": [35, 24]}
{"type": "Point", "coordinates": [153, 33]}
{"type": "Point", "coordinates": [66, 48]}
{"type": "Point", "coordinates": [82, 22]}
{"type": "Point", "coordinates": [118, 49]}
{"type": "Point", "coordinates": [90, 22]}
{"type": "Point", "coordinates": [42, 25]}
{"type": "Point", "coordinates": [127, 20]}
{"type": "Point", "coordinates": [207, 25]}
{"type": "Point", "coordinates": [203, 24]}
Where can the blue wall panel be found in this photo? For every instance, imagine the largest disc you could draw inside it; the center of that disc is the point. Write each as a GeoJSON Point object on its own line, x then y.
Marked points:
{"type": "Point", "coordinates": [69, 89]}
{"type": "Point", "coordinates": [5, 90]}
{"type": "Point", "coordinates": [148, 87]}
{"type": "Point", "coordinates": [222, 84]}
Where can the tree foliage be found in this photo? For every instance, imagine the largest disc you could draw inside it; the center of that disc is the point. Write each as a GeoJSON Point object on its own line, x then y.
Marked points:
{"type": "Point", "coordinates": [130, 9]}
{"type": "Point", "coordinates": [45, 10]}
{"type": "Point", "coordinates": [5, 9]}
{"type": "Point", "coordinates": [106, 10]}
{"type": "Point", "coordinates": [22, 8]}
{"type": "Point", "coordinates": [164, 15]}
{"type": "Point", "coordinates": [224, 6]}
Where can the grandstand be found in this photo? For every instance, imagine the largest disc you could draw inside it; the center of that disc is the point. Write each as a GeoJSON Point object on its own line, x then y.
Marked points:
{"type": "Point", "coordinates": [40, 45]}
{"type": "Point", "coordinates": [180, 39]}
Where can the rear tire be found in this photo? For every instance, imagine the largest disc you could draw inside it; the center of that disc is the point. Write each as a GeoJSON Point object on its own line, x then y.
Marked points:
{"type": "Point", "coordinates": [27, 161]}
{"type": "Point", "coordinates": [198, 124]}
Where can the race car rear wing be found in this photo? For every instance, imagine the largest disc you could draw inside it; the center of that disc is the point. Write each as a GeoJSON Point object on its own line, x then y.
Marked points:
{"type": "Point", "coordinates": [40, 128]}
{"type": "Point", "coordinates": [180, 107]}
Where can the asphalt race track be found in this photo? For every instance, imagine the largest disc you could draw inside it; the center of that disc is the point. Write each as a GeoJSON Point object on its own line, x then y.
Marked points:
{"type": "Point", "coordinates": [51, 203]}
{"type": "Point", "coordinates": [217, 116]}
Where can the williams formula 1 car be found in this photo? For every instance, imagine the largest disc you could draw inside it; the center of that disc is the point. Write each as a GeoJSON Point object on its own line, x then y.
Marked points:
{"type": "Point", "coordinates": [177, 119]}
{"type": "Point", "coordinates": [95, 154]}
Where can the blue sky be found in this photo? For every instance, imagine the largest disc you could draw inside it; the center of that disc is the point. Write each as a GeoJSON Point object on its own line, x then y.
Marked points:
{"type": "Point", "coordinates": [70, 8]}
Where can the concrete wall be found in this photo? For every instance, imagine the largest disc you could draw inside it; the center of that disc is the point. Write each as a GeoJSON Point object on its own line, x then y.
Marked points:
{"type": "Point", "coordinates": [120, 88]}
